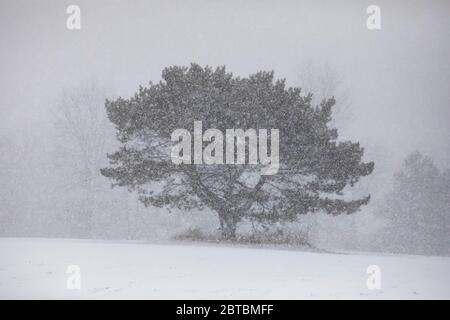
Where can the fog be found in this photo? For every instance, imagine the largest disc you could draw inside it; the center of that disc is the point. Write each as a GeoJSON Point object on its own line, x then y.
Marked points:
{"type": "Point", "coordinates": [396, 80]}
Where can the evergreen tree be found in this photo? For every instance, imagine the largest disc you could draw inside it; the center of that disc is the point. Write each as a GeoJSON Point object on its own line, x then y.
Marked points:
{"type": "Point", "coordinates": [417, 209]}
{"type": "Point", "coordinates": [314, 167]}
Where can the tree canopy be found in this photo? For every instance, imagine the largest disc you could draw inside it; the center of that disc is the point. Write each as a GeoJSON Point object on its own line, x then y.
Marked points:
{"type": "Point", "coordinates": [314, 168]}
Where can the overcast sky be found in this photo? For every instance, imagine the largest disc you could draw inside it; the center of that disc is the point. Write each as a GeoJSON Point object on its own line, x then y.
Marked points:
{"type": "Point", "coordinates": [398, 76]}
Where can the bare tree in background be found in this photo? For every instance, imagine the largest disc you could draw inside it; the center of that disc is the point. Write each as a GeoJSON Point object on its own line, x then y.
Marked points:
{"type": "Point", "coordinates": [83, 130]}
{"type": "Point", "coordinates": [324, 82]}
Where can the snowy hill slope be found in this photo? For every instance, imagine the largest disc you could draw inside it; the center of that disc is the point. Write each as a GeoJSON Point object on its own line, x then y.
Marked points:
{"type": "Point", "coordinates": [36, 268]}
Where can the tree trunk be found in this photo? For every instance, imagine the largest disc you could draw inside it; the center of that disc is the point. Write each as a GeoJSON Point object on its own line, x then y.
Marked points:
{"type": "Point", "coordinates": [228, 224]}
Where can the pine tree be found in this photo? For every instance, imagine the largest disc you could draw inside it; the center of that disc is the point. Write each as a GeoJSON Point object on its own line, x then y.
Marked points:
{"type": "Point", "coordinates": [314, 167]}
{"type": "Point", "coordinates": [417, 211]}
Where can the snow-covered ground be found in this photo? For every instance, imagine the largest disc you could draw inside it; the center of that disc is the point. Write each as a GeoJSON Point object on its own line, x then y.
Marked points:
{"type": "Point", "coordinates": [36, 268]}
